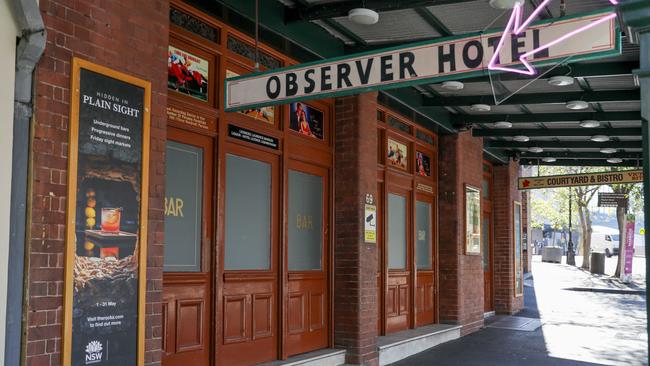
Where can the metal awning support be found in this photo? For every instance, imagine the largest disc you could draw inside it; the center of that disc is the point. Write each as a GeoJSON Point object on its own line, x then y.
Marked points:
{"type": "Point", "coordinates": [636, 16]}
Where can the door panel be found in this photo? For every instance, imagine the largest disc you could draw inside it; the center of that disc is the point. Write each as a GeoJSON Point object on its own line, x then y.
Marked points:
{"type": "Point", "coordinates": [487, 259]}
{"type": "Point", "coordinates": [249, 260]}
{"type": "Point", "coordinates": [188, 233]}
{"type": "Point", "coordinates": [398, 252]}
{"type": "Point", "coordinates": [424, 303]}
{"type": "Point", "coordinates": [307, 238]}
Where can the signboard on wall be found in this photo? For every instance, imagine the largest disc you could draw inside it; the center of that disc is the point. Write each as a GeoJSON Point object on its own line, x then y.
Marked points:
{"type": "Point", "coordinates": [592, 36]}
{"type": "Point", "coordinates": [107, 218]}
{"type": "Point", "coordinates": [585, 179]}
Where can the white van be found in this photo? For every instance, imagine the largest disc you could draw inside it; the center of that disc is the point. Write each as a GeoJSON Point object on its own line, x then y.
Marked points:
{"type": "Point", "coordinates": [605, 240]}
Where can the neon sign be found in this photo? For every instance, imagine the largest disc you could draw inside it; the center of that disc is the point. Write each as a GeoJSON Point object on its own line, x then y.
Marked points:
{"type": "Point", "coordinates": [515, 27]}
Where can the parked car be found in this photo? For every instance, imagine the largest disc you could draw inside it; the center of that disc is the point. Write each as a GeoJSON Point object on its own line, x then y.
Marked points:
{"type": "Point", "coordinates": [605, 240]}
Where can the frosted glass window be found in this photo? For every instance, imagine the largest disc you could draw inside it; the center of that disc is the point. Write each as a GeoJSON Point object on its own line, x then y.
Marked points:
{"type": "Point", "coordinates": [486, 244]}
{"type": "Point", "coordinates": [396, 232]}
{"type": "Point", "coordinates": [305, 232]}
{"type": "Point", "coordinates": [183, 209]}
{"type": "Point", "coordinates": [248, 214]}
{"type": "Point", "coordinates": [423, 235]}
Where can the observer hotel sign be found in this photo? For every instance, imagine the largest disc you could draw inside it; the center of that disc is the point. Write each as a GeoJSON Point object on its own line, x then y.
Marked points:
{"type": "Point", "coordinates": [431, 61]}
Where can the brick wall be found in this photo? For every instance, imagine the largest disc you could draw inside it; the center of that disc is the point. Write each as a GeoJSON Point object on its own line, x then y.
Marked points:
{"type": "Point", "coordinates": [461, 276]}
{"type": "Point", "coordinates": [505, 178]}
{"type": "Point", "coordinates": [355, 262]}
{"type": "Point", "coordinates": [131, 37]}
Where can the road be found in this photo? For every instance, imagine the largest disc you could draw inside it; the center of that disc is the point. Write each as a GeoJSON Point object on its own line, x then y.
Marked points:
{"type": "Point", "coordinates": [578, 328]}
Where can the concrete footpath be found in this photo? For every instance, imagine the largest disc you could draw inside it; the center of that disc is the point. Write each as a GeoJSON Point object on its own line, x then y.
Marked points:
{"type": "Point", "coordinates": [559, 326]}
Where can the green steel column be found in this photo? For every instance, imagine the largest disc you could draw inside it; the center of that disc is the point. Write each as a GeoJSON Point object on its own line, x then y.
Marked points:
{"type": "Point", "coordinates": [636, 16]}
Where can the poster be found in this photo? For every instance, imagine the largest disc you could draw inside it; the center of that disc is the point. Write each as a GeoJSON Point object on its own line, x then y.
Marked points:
{"type": "Point", "coordinates": [370, 224]}
{"type": "Point", "coordinates": [397, 154]}
{"type": "Point", "coordinates": [422, 164]}
{"type": "Point", "coordinates": [472, 220]}
{"type": "Point", "coordinates": [306, 120]}
{"type": "Point", "coordinates": [518, 247]}
{"type": "Point", "coordinates": [264, 114]}
{"type": "Point", "coordinates": [107, 201]}
{"type": "Point", "coordinates": [187, 74]}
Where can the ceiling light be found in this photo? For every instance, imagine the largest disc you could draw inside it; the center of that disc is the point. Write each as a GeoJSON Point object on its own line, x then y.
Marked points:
{"type": "Point", "coordinates": [615, 160]}
{"type": "Point", "coordinates": [480, 108]}
{"type": "Point", "coordinates": [535, 149]}
{"type": "Point", "coordinates": [549, 159]}
{"type": "Point", "coordinates": [504, 4]}
{"type": "Point", "coordinates": [521, 138]}
{"type": "Point", "coordinates": [363, 16]}
{"type": "Point", "coordinates": [607, 150]}
{"type": "Point", "coordinates": [577, 105]}
{"type": "Point", "coordinates": [561, 81]}
{"type": "Point", "coordinates": [589, 123]}
{"type": "Point", "coordinates": [599, 138]}
{"type": "Point", "coordinates": [502, 124]}
{"type": "Point", "coordinates": [452, 85]}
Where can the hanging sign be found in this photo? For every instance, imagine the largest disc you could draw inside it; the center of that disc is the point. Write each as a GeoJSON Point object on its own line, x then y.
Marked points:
{"type": "Point", "coordinates": [105, 263]}
{"type": "Point", "coordinates": [593, 35]}
{"type": "Point", "coordinates": [606, 199]}
{"type": "Point", "coordinates": [586, 179]}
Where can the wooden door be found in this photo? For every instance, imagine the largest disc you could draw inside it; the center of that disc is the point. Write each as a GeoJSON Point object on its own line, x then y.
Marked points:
{"type": "Point", "coordinates": [487, 259]}
{"type": "Point", "coordinates": [187, 293]}
{"type": "Point", "coordinates": [248, 303]}
{"type": "Point", "coordinates": [486, 237]}
{"type": "Point", "coordinates": [307, 238]}
{"type": "Point", "coordinates": [424, 260]}
{"type": "Point", "coordinates": [398, 252]}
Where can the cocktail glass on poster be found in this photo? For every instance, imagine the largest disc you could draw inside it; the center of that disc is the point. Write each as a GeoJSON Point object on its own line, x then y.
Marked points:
{"type": "Point", "coordinates": [111, 219]}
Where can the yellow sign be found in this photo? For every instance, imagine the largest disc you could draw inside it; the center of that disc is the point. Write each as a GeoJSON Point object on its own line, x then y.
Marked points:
{"type": "Point", "coordinates": [370, 224]}
{"type": "Point", "coordinates": [642, 231]}
{"type": "Point", "coordinates": [586, 179]}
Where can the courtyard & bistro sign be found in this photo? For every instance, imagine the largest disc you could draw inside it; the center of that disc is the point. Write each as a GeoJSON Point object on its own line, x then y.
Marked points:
{"type": "Point", "coordinates": [586, 179]}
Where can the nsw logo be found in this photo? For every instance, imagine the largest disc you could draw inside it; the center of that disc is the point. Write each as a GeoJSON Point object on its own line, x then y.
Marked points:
{"type": "Point", "coordinates": [94, 352]}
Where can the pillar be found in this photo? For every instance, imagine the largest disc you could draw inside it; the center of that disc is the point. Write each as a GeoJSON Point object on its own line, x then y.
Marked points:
{"type": "Point", "coordinates": [505, 299]}
{"type": "Point", "coordinates": [461, 276]}
{"type": "Point", "coordinates": [355, 262]}
{"type": "Point", "coordinates": [636, 16]}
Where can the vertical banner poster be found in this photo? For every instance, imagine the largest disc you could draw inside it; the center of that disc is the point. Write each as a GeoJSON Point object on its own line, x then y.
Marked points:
{"type": "Point", "coordinates": [107, 217]}
{"type": "Point", "coordinates": [628, 258]}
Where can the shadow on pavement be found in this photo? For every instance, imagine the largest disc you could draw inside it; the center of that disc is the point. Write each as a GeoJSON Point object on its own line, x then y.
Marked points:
{"type": "Point", "coordinates": [496, 347]}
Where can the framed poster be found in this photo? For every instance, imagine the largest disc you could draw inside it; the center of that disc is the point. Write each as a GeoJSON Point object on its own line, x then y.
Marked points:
{"type": "Point", "coordinates": [422, 164]}
{"type": "Point", "coordinates": [306, 120]}
{"type": "Point", "coordinates": [397, 154]}
{"type": "Point", "coordinates": [519, 280]}
{"type": "Point", "coordinates": [472, 220]}
{"type": "Point", "coordinates": [264, 114]}
{"type": "Point", "coordinates": [187, 73]}
{"type": "Point", "coordinates": [106, 248]}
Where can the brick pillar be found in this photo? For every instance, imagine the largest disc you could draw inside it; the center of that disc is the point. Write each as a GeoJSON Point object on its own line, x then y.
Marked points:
{"type": "Point", "coordinates": [355, 262]}
{"type": "Point", "coordinates": [505, 177]}
{"type": "Point", "coordinates": [128, 36]}
{"type": "Point", "coordinates": [461, 276]}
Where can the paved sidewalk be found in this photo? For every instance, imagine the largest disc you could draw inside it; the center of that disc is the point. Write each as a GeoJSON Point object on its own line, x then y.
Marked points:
{"type": "Point", "coordinates": [578, 328]}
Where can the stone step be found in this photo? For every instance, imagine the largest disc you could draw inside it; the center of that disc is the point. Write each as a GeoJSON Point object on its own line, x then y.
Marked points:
{"type": "Point", "coordinates": [400, 345]}
{"type": "Point", "coordinates": [323, 357]}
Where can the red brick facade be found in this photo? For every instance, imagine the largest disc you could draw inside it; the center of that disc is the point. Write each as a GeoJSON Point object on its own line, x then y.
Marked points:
{"type": "Point", "coordinates": [505, 178]}
{"type": "Point", "coordinates": [130, 37]}
{"type": "Point", "coordinates": [461, 276]}
{"type": "Point", "coordinates": [355, 262]}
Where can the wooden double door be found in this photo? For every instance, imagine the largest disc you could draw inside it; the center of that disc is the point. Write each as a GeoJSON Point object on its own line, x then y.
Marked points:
{"type": "Point", "coordinates": [406, 276]}
{"type": "Point", "coordinates": [261, 292]}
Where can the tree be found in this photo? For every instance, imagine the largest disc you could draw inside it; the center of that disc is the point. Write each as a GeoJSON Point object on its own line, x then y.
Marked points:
{"type": "Point", "coordinates": [634, 195]}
